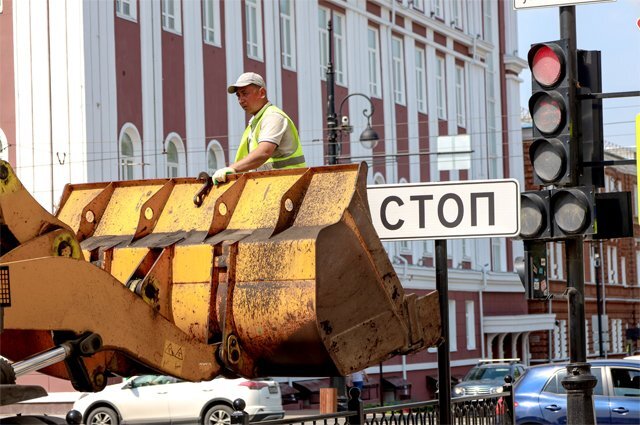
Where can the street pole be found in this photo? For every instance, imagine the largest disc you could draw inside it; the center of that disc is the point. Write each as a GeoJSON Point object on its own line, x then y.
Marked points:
{"type": "Point", "coordinates": [337, 382]}
{"type": "Point", "coordinates": [597, 266]}
{"type": "Point", "coordinates": [579, 382]}
{"type": "Point", "coordinates": [332, 124]}
{"type": "Point", "coordinates": [444, 372]}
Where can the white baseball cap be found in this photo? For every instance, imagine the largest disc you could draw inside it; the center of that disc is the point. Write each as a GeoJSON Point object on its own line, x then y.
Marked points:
{"type": "Point", "coordinates": [246, 79]}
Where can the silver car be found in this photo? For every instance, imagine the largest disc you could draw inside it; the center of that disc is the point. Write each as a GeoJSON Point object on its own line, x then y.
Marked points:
{"type": "Point", "coordinates": [487, 377]}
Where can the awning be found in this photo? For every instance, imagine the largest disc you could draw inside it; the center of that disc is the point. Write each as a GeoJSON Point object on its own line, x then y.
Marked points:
{"type": "Point", "coordinates": [395, 382]}
{"type": "Point", "coordinates": [311, 385]}
{"type": "Point", "coordinates": [286, 389]}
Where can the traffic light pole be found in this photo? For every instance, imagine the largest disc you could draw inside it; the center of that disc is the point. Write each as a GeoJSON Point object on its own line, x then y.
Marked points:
{"type": "Point", "coordinates": [579, 381]}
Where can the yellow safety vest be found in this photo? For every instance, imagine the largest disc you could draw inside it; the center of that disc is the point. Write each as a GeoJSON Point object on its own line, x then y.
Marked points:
{"type": "Point", "coordinates": [295, 160]}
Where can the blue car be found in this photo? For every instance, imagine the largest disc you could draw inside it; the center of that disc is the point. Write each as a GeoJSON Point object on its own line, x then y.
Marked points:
{"type": "Point", "coordinates": [541, 398]}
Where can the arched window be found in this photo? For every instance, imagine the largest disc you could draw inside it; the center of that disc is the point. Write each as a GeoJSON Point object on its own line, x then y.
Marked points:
{"type": "Point", "coordinates": [126, 157]}
{"type": "Point", "coordinates": [175, 156]}
{"type": "Point", "coordinates": [130, 158]}
{"type": "Point", "coordinates": [4, 146]}
{"type": "Point", "coordinates": [378, 179]}
{"type": "Point", "coordinates": [215, 156]}
{"type": "Point", "coordinates": [172, 159]}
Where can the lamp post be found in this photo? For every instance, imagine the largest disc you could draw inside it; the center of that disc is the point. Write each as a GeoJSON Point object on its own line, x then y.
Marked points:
{"type": "Point", "coordinates": [368, 138]}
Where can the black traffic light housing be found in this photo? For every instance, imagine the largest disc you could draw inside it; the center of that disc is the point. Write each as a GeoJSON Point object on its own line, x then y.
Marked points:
{"type": "Point", "coordinates": [591, 138]}
{"type": "Point", "coordinates": [535, 215]}
{"type": "Point", "coordinates": [532, 269]}
{"type": "Point", "coordinates": [556, 214]}
{"type": "Point", "coordinates": [550, 151]}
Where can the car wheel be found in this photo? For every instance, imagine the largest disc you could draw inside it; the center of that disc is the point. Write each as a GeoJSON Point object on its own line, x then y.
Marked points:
{"type": "Point", "coordinates": [218, 415]}
{"type": "Point", "coordinates": [102, 416]}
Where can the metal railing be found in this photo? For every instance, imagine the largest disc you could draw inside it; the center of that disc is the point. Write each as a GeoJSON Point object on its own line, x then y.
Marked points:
{"type": "Point", "coordinates": [494, 409]}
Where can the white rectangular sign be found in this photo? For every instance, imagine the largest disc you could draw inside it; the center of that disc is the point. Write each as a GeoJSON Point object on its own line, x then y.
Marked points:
{"type": "Point", "coordinates": [446, 210]}
{"type": "Point", "coordinates": [527, 4]}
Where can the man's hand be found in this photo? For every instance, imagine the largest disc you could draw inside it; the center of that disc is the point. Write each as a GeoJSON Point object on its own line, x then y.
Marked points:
{"type": "Point", "coordinates": [220, 176]}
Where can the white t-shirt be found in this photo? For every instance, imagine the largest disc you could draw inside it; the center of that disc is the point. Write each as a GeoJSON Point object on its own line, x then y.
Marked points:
{"type": "Point", "coordinates": [357, 377]}
{"type": "Point", "coordinates": [274, 128]}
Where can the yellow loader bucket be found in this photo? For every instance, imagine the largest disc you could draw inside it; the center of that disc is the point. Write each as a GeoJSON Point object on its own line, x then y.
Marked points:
{"type": "Point", "coordinates": [281, 272]}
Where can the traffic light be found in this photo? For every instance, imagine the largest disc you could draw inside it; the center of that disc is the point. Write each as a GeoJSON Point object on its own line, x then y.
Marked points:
{"type": "Point", "coordinates": [535, 215]}
{"type": "Point", "coordinates": [550, 151]}
{"type": "Point", "coordinates": [532, 269]}
{"type": "Point", "coordinates": [554, 214]}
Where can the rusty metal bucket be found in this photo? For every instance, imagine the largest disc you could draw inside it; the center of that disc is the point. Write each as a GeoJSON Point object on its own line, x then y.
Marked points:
{"type": "Point", "coordinates": [281, 273]}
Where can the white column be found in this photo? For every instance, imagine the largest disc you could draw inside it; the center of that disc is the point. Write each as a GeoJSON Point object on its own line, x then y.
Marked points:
{"type": "Point", "coordinates": [501, 345]}
{"type": "Point", "coordinates": [194, 88]}
{"type": "Point", "coordinates": [151, 78]}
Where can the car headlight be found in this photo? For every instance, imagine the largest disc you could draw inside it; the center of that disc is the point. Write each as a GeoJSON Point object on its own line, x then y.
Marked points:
{"type": "Point", "coordinates": [496, 390]}
{"type": "Point", "coordinates": [458, 391]}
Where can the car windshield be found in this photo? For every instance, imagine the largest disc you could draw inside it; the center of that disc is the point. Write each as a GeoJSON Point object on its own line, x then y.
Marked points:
{"type": "Point", "coordinates": [487, 373]}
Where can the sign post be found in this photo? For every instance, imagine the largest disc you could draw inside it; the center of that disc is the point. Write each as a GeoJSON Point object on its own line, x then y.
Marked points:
{"type": "Point", "coordinates": [441, 211]}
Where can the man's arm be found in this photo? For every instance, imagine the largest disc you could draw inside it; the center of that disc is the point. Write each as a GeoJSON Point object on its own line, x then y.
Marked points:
{"type": "Point", "coordinates": [255, 158]}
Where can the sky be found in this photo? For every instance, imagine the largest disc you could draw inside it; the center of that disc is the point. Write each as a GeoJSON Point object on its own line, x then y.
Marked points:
{"type": "Point", "coordinates": [612, 28]}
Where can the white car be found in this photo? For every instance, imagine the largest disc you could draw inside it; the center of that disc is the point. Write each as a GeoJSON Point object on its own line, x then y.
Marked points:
{"type": "Point", "coordinates": [156, 399]}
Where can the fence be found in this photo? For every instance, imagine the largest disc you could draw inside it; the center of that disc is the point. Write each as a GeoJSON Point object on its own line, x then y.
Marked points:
{"type": "Point", "coordinates": [495, 409]}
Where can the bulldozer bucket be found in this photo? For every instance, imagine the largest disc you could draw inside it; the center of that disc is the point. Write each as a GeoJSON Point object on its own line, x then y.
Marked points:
{"type": "Point", "coordinates": [281, 272]}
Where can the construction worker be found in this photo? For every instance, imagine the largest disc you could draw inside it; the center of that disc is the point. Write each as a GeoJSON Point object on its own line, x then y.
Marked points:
{"type": "Point", "coordinates": [270, 141]}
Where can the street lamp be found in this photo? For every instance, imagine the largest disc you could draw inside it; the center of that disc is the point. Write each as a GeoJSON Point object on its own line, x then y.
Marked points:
{"type": "Point", "coordinates": [369, 138]}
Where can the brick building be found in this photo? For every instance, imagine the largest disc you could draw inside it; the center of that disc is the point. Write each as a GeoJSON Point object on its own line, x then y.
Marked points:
{"type": "Point", "coordinates": [617, 277]}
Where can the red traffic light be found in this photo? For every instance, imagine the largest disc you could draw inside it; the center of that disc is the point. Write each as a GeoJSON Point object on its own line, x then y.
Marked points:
{"type": "Point", "coordinates": [548, 112]}
{"type": "Point", "coordinates": [547, 64]}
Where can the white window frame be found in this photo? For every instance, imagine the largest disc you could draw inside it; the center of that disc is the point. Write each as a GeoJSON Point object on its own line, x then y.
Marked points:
{"type": "Point", "coordinates": [586, 336]}
{"type": "Point", "coordinates": [126, 161]}
{"type": "Point", "coordinates": [288, 34]}
{"type": "Point", "coordinates": [340, 48]}
{"type": "Point", "coordinates": [623, 270]}
{"type": "Point", "coordinates": [405, 247]}
{"type": "Point", "coordinates": [132, 5]}
{"type": "Point", "coordinates": [461, 116]}
{"type": "Point", "coordinates": [496, 254]}
{"type": "Point", "coordinates": [373, 53]}
{"type": "Point", "coordinates": [215, 149]}
{"type": "Point", "coordinates": [421, 80]}
{"type": "Point", "coordinates": [612, 265]}
{"type": "Point", "coordinates": [172, 21]}
{"type": "Point", "coordinates": [339, 44]}
{"type": "Point", "coordinates": [470, 318]}
{"type": "Point", "coordinates": [441, 88]}
{"type": "Point", "coordinates": [555, 261]}
{"type": "Point", "coordinates": [437, 9]}
{"type": "Point", "coordinates": [418, 5]}
{"type": "Point", "coordinates": [397, 58]}
{"type": "Point", "coordinates": [173, 167]}
{"type": "Point", "coordinates": [253, 29]}
{"type": "Point", "coordinates": [324, 14]}
{"type": "Point", "coordinates": [427, 248]}
{"type": "Point", "coordinates": [180, 166]}
{"type": "Point", "coordinates": [211, 28]}
{"type": "Point", "coordinates": [453, 336]}
{"type": "Point", "coordinates": [456, 14]}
